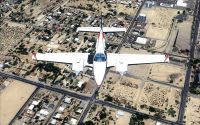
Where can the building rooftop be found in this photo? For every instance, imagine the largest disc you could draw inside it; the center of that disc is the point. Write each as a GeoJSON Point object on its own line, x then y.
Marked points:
{"type": "Point", "coordinates": [73, 121]}
{"type": "Point", "coordinates": [68, 100]}
{"type": "Point", "coordinates": [141, 40]}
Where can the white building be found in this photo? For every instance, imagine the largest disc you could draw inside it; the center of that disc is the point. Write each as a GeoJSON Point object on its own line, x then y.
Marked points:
{"type": "Point", "coordinates": [68, 100]}
{"type": "Point", "coordinates": [181, 3]}
{"type": "Point", "coordinates": [58, 115]}
{"type": "Point", "coordinates": [31, 107]}
{"type": "Point", "coordinates": [119, 113]}
{"type": "Point", "coordinates": [80, 83]}
{"type": "Point", "coordinates": [35, 102]}
{"type": "Point", "coordinates": [44, 112]}
{"type": "Point", "coordinates": [53, 121]}
{"type": "Point", "coordinates": [73, 121]}
{"type": "Point", "coordinates": [141, 40]}
{"type": "Point", "coordinates": [61, 108]}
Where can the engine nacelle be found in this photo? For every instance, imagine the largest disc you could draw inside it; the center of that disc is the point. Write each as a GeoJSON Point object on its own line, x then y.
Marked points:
{"type": "Point", "coordinates": [121, 66]}
{"type": "Point", "coordinates": [78, 66]}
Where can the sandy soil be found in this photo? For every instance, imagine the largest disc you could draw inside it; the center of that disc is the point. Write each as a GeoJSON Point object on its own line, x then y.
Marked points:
{"type": "Point", "coordinates": [122, 88]}
{"type": "Point", "coordinates": [12, 98]}
{"type": "Point", "coordinates": [159, 21]}
{"type": "Point", "coordinates": [102, 6]}
{"type": "Point", "coordinates": [193, 111]}
{"type": "Point", "coordinates": [123, 120]}
{"type": "Point", "coordinates": [161, 72]}
{"type": "Point", "coordinates": [184, 35]}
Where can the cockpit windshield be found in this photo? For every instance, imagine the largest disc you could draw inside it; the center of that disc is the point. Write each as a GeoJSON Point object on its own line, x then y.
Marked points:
{"type": "Point", "coordinates": [100, 57]}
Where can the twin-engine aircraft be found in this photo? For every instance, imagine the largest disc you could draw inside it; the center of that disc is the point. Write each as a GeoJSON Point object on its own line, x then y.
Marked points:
{"type": "Point", "coordinates": [100, 59]}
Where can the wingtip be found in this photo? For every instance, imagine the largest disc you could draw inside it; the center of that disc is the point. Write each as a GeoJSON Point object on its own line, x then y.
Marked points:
{"type": "Point", "coordinates": [34, 56]}
{"type": "Point", "coordinates": [166, 57]}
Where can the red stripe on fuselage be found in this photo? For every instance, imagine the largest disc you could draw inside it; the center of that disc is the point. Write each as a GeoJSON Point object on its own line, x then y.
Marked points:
{"type": "Point", "coordinates": [98, 35]}
{"type": "Point", "coordinates": [102, 36]}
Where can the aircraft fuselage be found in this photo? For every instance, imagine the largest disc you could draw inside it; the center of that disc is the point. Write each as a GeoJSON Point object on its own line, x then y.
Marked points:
{"type": "Point", "coordinates": [100, 59]}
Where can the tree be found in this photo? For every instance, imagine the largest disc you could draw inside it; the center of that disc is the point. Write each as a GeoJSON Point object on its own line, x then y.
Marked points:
{"type": "Point", "coordinates": [102, 115]}
{"type": "Point", "coordinates": [151, 109]}
{"type": "Point", "coordinates": [108, 98]}
{"type": "Point", "coordinates": [89, 123]}
{"type": "Point", "coordinates": [171, 112]}
{"type": "Point", "coordinates": [137, 119]}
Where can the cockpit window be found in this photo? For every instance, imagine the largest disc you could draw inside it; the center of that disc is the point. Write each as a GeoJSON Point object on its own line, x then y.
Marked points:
{"type": "Point", "coordinates": [100, 57]}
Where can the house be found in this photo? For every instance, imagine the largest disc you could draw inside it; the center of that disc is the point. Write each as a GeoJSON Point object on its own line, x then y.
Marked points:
{"type": "Point", "coordinates": [58, 115]}
{"type": "Point", "coordinates": [73, 121]}
{"type": "Point", "coordinates": [80, 83]}
{"type": "Point", "coordinates": [53, 121]}
{"type": "Point", "coordinates": [35, 102]}
{"type": "Point", "coordinates": [181, 3]}
{"type": "Point", "coordinates": [141, 40]}
{"type": "Point", "coordinates": [61, 108]}
{"type": "Point", "coordinates": [44, 112]}
{"type": "Point", "coordinates": [119, 113]}
{"type": "Point", "coordinates": [68, 100]}
{"type": "Point", "coordinates": [158, 123]}
{"type": "Point", "coordinates": [31, 107]}
{"type": "Point", "coordinates": [79, 111]}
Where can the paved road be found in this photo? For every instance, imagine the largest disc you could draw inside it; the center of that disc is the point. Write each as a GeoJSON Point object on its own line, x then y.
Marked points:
{"type": "Point", "coordinates": [187, 78]}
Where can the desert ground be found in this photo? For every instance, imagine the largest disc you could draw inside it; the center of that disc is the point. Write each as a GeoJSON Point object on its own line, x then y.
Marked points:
{"type": "Point", "coordinates": [12, 99]}
{"type": "Point", "coordinates": [168, 73]}
{"type": "Point", "coordinates": [193, 111]}
{"type": "Point", "coordinates": [102, 7]}
{"type": "Point", "coordinates": [160, 97]}
{"type": "Point", "coordinates": [158, 21]}
{"type": "Point", "coordinates": [183, 38]}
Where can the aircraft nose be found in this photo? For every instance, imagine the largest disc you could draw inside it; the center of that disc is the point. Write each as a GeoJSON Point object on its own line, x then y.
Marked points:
{"type": "Point", "coordinates": [98, 81]}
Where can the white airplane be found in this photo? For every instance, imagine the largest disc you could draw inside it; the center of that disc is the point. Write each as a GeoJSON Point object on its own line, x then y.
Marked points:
{"type": "Point", "coordinates": [101, 59]}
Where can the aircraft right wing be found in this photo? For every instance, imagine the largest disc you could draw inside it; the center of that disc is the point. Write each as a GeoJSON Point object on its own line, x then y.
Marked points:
{"type": "Point", "coordinates": [113, 29]}
{"type": "Point", "coordinates": [113, 59]}
{"type": "Point", "coordinates": [121, 61]}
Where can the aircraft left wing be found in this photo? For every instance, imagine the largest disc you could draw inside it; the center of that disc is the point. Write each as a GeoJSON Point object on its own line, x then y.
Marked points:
{"type": "Point", "coordinates": [127, 59]}
{"type": "Point", "coordinates": [73, 58]}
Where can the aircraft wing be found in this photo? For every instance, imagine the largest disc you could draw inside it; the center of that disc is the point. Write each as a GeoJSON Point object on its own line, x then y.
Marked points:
{"type": "Point", "coordinates": [88, 29]}
{"type": "Point", "coordinates": [63, 57]}
{"type": "Point", "coordinates": [127, 59]}
{"type": "Point", "coordinates": [113, 29]}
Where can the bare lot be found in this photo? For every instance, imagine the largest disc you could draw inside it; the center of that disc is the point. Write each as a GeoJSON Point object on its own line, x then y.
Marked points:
{"type": "Point", "coordinates": [168, 73]}
{"type": "Point", "coordinates": [12, 98]}
{"type": "Point", "coordinates": [103, 7]}
{"type": "Point", "coordinates": [10, 33]}
{"type": "Point", "coordinates": [122, 89]}
{"type": "Point", "coordinates": [163, 99]}
{"type": "Point", "coordinates": [159, 20]}
{"type": "Point", "coordinates": [184, 35]}
{"type": "Point", "coordinates": [193, 111]}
